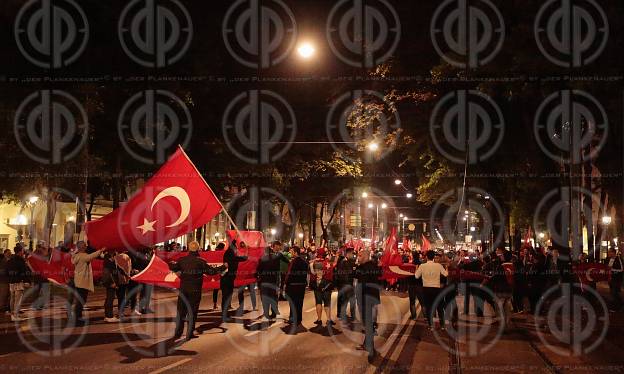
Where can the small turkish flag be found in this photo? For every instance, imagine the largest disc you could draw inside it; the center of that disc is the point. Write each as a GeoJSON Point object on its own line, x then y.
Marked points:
{"type": "Point", "coordinates": [175, 201]}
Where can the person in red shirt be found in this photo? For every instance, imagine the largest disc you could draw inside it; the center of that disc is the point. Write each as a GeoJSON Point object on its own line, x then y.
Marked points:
{"type": "Point", "coordinates": [322, 284]}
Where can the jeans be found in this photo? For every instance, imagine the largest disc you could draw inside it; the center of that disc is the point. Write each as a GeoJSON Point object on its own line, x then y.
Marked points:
{"type": "Point", "coordinates": [346, 298]}
{"type": "Point", "coordinates": [17, 292]}
{"type": "Point", "coordinates": [146, 297]}
{"type": "Point", "coordinates": [42, 292]}
{"type": "Point", "coordinates": [81, 300]}
{"type": "Point", "coordinates": [252, 295]}
{"type": "Point", "coordinates": [111, 293]}
{"type": "Point", "coordinates": [268, 296]}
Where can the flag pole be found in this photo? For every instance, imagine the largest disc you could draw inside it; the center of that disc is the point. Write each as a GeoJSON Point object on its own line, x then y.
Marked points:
{"type": "Point", "coordinates": [207, 185]}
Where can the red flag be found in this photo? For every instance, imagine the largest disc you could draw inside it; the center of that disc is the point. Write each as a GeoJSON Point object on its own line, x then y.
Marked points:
{"type": "Point", "coordinates": [253, 239]}
{"type": "Point", "coordinates": [426, 245]}
{"type": "Point", "coordinates": [592, 272]}
{"type": "Point", "coordinates": [175, 201]}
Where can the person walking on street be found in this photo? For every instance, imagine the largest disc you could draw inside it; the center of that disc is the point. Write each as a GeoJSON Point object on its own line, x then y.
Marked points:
{"type": "Point", "coordinates": [430, 273]}
{"type": "Point", "coordinates": [83, 277]}
{"type": "Point", "coordinates": [322, 284]}
{"type": "Point", "coordinates": [241, 291]}
{"type": "Point", "coordinates": [215, 292]}
{"type": "Point", "coordinates": [368, 275]}
{"type": "Point", "coordinates": [191, 269]}
{"type": "Point", "coordinates": [111, 280]}
{"type": "Point", "coordinates": [296, 282]}
{"type": "Point", "coordinates": [344, 273]}
{"type": "Point", "coordinates": [19, 276]}
{"type": "Point", "coordinates": [614, 261]}
{"type": "Point", "coordinates": [268, 279]}
{"type": "Point", "coordinates": [5, 295]}
{"type": "Point", "coordinates": [231, 259]}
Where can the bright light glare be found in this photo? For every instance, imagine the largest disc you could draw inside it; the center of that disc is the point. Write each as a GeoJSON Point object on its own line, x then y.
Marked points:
{"type": "Point", "coordinates": [370, 205]}
{"type": "Point", "coordinates": [364, 195]}
{"type": "Point", "coordinates": [409, 195]}
{"type": "Point", "coordinates": [397, 182]}
{"type": "Point", "coordinates": [373, 147]}
{"type": "Point", "coordinates": [306, 50]}
{"type": "Point", "coordinates": [384, 206]}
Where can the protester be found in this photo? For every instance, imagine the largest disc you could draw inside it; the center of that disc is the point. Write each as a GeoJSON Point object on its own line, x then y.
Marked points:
{"type": "Point", "coordinates": [368, 275]}
{"type": "Point", "coordinates": [241, 291]}
{"type": "Point", "coordinates": [615, 263]}
{"type": "Point", "coordinates": [5, 295]}
{"type": "Point", "coordinates": [83, 277]}
{"type": "Point", "coordinates": [430, 273]}
{"type": "Point", "coordinates": [41, 285]}
{"type": "Point", "coordinates": [321, 282]}
{"type": "Point", "coordinates": [296, 282]}
{"type": "Point", "coordinates": [191, 269]}
{"type": "Point", "coordinates": [231, 259]}
{"type": "Point", "coordinates": [19, 278]}
{"type": "Point", "coordinates": [344, 273]}
{"type": "Point", "coordinates": [111, 275]}
{"type": "Point", "coordinates": [268, 279]}
{"type": "Point", "coordinates": [215, 292]}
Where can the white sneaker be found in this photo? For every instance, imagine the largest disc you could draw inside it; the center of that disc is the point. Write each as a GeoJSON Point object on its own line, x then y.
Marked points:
{"type": "Point", "coordinates": [111, 320]}
{"type": "Point", "coordinates": [137, 312]}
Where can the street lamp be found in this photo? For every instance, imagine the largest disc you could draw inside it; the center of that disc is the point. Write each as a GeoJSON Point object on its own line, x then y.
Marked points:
{"type": "Point", "coordinates": [409, 195]}
{"type": "Point", "coordinates": [273, 232]}
{"type": "Point", "coordinates": [606, 220]}
{"type": "Point", "coordinates": [541, 235]}
{"type": "Point", "coordinates": [306, 50]}
{"type": "Point", "coordinates": [397, 182]}
{"type": "Point", "coordinates": [33, 201]}
{"type": "Point", "coordinates": [371, 205]}
{"type": "Point", "coordinates": [373, 147]}
{"type": "Point", "coordinates": [364, 195]}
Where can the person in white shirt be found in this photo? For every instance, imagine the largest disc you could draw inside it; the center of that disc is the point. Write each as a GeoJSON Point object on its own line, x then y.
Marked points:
{"type": "Point", "coordinates": [430, 273]}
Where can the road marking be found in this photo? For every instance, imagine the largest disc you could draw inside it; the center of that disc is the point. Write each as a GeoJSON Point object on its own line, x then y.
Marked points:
{"type": "Point", "coordinates": [311, 310]}
{"type": "Point", "coordinates": [258, 331]}
{"type": "Point", "coordinates": [175, 364]}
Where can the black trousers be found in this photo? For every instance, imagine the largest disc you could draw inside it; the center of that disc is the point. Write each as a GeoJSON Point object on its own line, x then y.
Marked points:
{"type": "Point", "coordinates": [615, 289]}
{"type": "Point", "coordinates": [186, 300]}
{"type": "Point", "coordinates": [296, 293]}
{"type": "Point", "coordinates": [227, 289]}
{"type": "Point", "coordinates": [80, 301]}
{"type": "Point", "coordinates": [415, 293]}
{"type": "Point", "coordinates": [430, 294]}
{"type": "Point", "coordinates": [215, 296]}
{"type": "Point", "coordinates": [268, 296]}
{"type": "Point", "coordinates": [111, 293]}
{"type": "Point", "coordinates": [346, 298]}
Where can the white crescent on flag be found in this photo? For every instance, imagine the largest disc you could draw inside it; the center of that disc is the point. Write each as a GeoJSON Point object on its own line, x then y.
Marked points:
{"type": "Point", "coordinates": [183, 197]}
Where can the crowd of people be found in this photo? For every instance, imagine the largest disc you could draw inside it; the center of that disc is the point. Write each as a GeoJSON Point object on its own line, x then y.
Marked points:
{"type": "Point", "coordinates": [510, 282]}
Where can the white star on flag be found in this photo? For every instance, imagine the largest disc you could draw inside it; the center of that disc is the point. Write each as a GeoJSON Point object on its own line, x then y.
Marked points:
{"type": "Point", "coordinates": [147, 226]}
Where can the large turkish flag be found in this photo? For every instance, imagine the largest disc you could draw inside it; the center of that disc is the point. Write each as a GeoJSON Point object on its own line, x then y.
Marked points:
{"type": "Point", "coordinates": [175, 201]}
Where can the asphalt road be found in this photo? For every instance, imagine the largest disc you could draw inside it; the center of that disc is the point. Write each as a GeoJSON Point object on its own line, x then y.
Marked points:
{"type": "Point", "coordinates": [472, 345]}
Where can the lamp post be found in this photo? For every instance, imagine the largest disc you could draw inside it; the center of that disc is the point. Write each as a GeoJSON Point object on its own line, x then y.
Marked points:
{"type": "Point", "coordinates": [606, 221]}
{"type": "Point", "coordinates": [32, 202]}
{"type": "Point", "coordinates": [375, 227]}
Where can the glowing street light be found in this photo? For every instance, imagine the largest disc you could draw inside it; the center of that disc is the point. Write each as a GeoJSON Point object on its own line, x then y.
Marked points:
{"type": "Point", "coordinates": [373, 147]}
{"type": "Point", "coordinates": [541, 235]}
{"type": "Point", "coordinates": [606, 220]}
{"type": "Point", "coordinates": [401, 215]}
{"type": "Point", "coordinates": [370, 205]}
{"type": "Point", "coordinates": [33, 199]}
{"type": "Point", "coordinates": [409, 195]}
{"type": "Point", "coordinates": [306, 50]}
{"type": "Point", "coordinates": [273, 231]}
{"type": "Point", "coordinates": [384, 206]}
{"type": "Point", "coordinates": [300, 235]}
{"type": "Point", "coordinates": [397, 182]}
{"type": "Point", "coordinates": [364, 195]}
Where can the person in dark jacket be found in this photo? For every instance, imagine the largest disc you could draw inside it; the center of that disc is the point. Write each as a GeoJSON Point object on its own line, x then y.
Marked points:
{"type": "Point", "coordinates": [615, 263]}
{"type": "Point", "coordinates": [215, 292]}
{"type": "Point", "coordinates": [368, 274]}
{"type": "Point", "coordinates": [415, 287]}
{"type": "Point", "coordinates": [4, 282]}
{"type": "Point", "coordinates": [269, 278]}
{"type": "Point", "coordinates": [192, 269]}
{"type": "Point", "coordinates": [344, 272]}
{"type": "Point", "coordinates": [114, 288]}
{"type": "Point", "coordinates": [296, 282]}
{"type": "Point", "coordinates": [231, 259]}
{"type": "Point", "coordinates": [241, 290]}
{"type": "Point", "coordinates": [19, 276]}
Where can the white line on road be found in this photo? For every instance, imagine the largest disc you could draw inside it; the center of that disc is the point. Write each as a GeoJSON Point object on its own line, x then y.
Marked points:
{"type": "Point", "coordinates": [175, 364]}
{"type": "Point", "coordinates": [259, 331]}
{"type": "Point", "coordinates": [311, 310]}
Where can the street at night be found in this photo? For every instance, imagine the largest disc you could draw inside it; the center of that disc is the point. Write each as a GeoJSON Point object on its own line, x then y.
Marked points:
{"type": "Point", "coordinates": [311, 186]}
